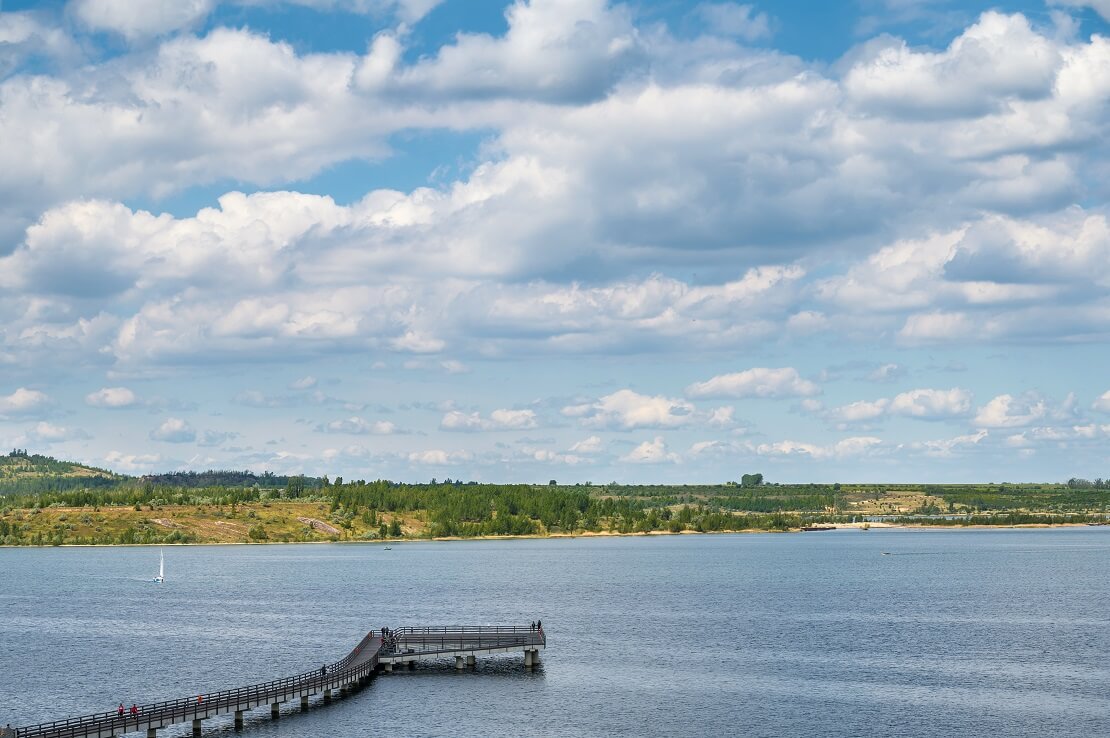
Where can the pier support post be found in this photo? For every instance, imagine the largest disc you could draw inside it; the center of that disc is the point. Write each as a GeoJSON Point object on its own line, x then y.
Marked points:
{"type": "Point", "coordinates": [535, 657]}
{"type": "Point", "coordinates": [388, 667]}
{"type": "Point", "coordinates": [151, 733]}
{"type": "Point", "coordinates": [304, 701]}
{"type": "Point", "coordinates": [471, 660]}
{"type": "Point", "coordinates": [528, 657]}
{"type": "Point", "coordinates": [275, 710]}
{"type": "Point", "coordinates": [459, 662]}
{"type": "Point", "coordinates": [196, 727]}
{"type": "Point", "coordinates": [412, 665]}
{"type": "Point", "coordinates": [238, 719]}
{"type": "Point", "coordinates": [327, 695]}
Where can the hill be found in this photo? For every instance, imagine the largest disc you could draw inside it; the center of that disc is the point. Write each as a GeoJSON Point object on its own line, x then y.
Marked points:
{"type": "Point", "coordinates": [24, 473]}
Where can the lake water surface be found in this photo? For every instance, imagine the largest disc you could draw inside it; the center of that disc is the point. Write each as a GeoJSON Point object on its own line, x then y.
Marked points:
{"type": "Point", "coordinates": [974, 632]}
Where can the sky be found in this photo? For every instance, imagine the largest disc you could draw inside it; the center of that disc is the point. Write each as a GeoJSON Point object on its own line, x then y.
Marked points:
{"type": "Point", "coordinates": [644, 242]}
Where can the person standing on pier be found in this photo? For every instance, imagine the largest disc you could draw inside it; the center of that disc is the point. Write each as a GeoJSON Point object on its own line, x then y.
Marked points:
{"type": "Point", "coordinates": [119, 710]}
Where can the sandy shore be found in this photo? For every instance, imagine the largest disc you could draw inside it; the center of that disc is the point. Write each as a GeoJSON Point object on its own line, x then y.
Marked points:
{"type": "Point", "coordinates": [584, 534]}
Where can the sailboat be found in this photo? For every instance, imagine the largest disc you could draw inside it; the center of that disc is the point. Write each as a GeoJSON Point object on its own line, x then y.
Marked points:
{"type": "Point", "coordinates": [161, 567]}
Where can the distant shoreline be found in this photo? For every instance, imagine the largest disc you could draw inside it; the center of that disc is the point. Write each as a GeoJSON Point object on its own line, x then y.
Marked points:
{"type": "Point", "coordinates": [586, 534]}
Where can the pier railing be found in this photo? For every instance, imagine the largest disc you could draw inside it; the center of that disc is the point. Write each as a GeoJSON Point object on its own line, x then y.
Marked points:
{"type": "Point", "coordinates": [334, 676]}
{"type": "Point", "coordinates": [361, 661]}
{"type": "Point", "coordinates": [473, 636]}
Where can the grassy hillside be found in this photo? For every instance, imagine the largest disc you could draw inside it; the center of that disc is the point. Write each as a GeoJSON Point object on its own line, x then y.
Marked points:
{"type": "Point", "coordinates": [51, 502]}
{"type": "Point", "coordinates": [23, 473]}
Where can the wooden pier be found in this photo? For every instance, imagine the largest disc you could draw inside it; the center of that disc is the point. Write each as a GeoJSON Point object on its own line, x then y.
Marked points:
{"type": "Point", "coordinates": [378, 651]}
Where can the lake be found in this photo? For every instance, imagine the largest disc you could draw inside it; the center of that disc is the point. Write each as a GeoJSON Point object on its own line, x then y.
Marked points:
{"type": "Point", "coordinates": [954, 632]}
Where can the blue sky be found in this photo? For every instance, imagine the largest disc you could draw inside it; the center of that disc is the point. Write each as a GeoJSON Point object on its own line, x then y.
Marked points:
{"type": "Point", "coordinates": [571, 239]}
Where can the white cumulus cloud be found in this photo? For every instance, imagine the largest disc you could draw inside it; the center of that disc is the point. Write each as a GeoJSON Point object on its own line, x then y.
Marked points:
{"type": "Point", "coordinates": [651, 452]}
{"type": "Point", "coordinates": [503, 419]}
{"type": "Point", "coordinates": [23, 402]}
{"type": "Point", "coordinates": [174, 430]}
{"type": "Point", "coordinates": [626, 410]}
{"type": "Point", "coordinates": [1007, 411]}
{"type": "Point", "coordinates": [111, 397]}
{"type": "Point", "coordinates": [758, 382]}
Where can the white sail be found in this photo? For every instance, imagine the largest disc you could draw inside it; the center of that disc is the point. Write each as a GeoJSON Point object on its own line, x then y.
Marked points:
{"type": "Point", "coordinates": [161, 566]}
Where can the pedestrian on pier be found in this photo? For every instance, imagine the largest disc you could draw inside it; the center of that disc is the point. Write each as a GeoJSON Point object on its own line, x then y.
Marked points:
{"type": "Point", "coordinates": [323, 670]}
{"type": "Point", "coordinates": [134, 709]}
{"type": "Point", "coordinates": [539, 625]}
{"type": "Point", "coordinates": [119, 710]}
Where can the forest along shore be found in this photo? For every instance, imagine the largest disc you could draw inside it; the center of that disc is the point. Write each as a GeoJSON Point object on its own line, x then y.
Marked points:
{"type": "Point", "coordinates": [48, 502]}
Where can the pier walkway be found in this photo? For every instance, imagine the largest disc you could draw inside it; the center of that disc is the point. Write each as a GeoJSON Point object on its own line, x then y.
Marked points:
{"type": "Point", "coordinates": [381, 650]}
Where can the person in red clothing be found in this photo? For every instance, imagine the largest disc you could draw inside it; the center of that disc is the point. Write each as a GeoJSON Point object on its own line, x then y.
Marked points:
{"type": "Point", "coordinates": [119, 710]}
{"type": "Point", "coordinates": [134, 709]}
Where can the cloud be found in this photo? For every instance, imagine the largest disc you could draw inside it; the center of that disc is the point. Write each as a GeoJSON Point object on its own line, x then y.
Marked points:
{"type": "Point", "coordinates": [111, 397]}
{"type": "Point", "coordinates": [569, 50]}
{"type": "Point", "coordinates": [845, 448]}
{"type": "Point", "coordinates": [1102, 7]}
{"type": "Point", "coordinates": [1102, 404]}
{"type": "Point", "coordinates": [358, 426]}
{"type": "Point", "coordinates": [439, 457]}
{"type": "Point", "coordinates": [999, 58]}
{"type": "Point", "coordinates": [138, 20]}
{"type": "Point", "coordinates": [304, 383]}
{"type": "Point", "coordinates": [923, 404]}
{"type": "Point", "coordinates": [453, 366]}
{"type": "Point", "coordinates": [47, 433]}
{"type": "Point", "coordinates": [497, 420]}
{"type": "Point", "coordinates": [529, 252]}
{"type": "Point", "coordinates": [721, 417]}
{"type": "Point", "coordinates": [174, 430]}
{"type": "Point", "coordinates": [887, 373]}
{"type": "Point", "coordinates": [931, 404]}
{"type": "Point", "coordinates": [651, 452]}
{"type": "Point", "coordinates": [759, 382]}
{"type": "Point", "coordinates": [591, 445]}
{"type": "Point", "coordinates": [948, 447]}
{"type": "Point", "coordinates": [734, 19]}
{"type": "Point", "coordinates": [1007, 411]}
{"type": "Point", "coordinates": [132, 463]}
{"type": "Point", "coordinates": [211, 438]}
{"type": "Point", "coordinates": [23, 402]}
{"type": "Point", "coordinates": [546, 456]}
{"type": "Point", "coordinates": [628, 410]}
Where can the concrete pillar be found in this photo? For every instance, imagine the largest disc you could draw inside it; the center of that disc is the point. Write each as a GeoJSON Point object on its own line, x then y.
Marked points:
{"type": "Point", "coordinates": [304, 701]}
{"type": "Point", "coordinates": [388, 667]}
{"type": "Point", "coordinates": [535, 657]}
{"type": "Point", "coordinates": [412, 665]}
{"type": "Point", "coordinates": [238, 718]}
{"type": "Point", "coordinates": [528, 657]}
{"type": "Point", "coordinates": [275, 710]}
{"type": "Point", "coordinates": [327, 695]}
{"type": "Point", "coordinates": [458, 662]}
{"type": "Point", "coordinates": [196, 727]}
{"type": "Point", "coordinates": [151, 733]}
{"type": "Point", "coordinates": [471, 660]}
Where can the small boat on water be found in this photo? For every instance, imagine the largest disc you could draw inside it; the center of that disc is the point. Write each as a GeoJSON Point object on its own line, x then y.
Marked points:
{"type": "Point", "coordinates": [161, 567]}
{"type": "Point", "coordinates": [387, 548]}
{"type": "Point", "coordinates": [811, 528]}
